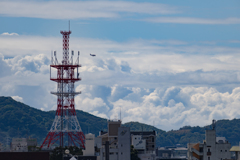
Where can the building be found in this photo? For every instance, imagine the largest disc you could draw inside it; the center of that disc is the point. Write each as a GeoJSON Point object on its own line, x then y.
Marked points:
{"type": "Point", "coordinates": [89, 145]}
{"type": "Point", "coordinates": [212, 148]}
{"type": "Point", "coordinates": [145, 143]}
{"type": "Point", "coordinates": [180, 152]}
{"type": "Point", "coordinates": [92, 146]}
{"type": "Point", "coordinates": [79, 158]}
{"type": "Point", "coordinates": [116, 142]}
{"type": "Point", "coordinates": [23, 144]}
{"type": "Point", "coordinates": [171, 153]}
{"type": "Point", "coordinates": [1, 147]}
{"type": "Point", "coordinates": [236, 150]}
{"type": "Point", "coordinates": [32, 144]}
{"type": "Point", "coordinates": [124, 144]}
{"type": "Point", "coordinates": [19, 145]}
{"type": "Point", "coordinates": [24, 155]}
{"type": "Point", "coordinates": [164, 153]}
{"type": "Point", "coordinates": [90, 151]}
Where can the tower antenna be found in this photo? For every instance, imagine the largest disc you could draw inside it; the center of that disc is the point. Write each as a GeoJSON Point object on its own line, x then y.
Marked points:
{"type": "Point", "coordinates": [120, 113]}
{"type": "Point", "coordinates": [69, 24]}
{"type": "Point", "coordinates": [65, 127]}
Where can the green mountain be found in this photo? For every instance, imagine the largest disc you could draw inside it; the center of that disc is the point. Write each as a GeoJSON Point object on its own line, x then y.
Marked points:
{"type": "Point", "coordinates": [20, 120]}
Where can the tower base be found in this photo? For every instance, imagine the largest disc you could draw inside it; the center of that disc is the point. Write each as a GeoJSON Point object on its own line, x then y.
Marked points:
{"type": "Point", "coordinates": [74, 139]}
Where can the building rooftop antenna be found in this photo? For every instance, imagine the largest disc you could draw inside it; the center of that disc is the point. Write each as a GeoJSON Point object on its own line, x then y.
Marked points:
{"type": "Point", "coordinates": [18, 133]}
{"type": "Point", "coordinates": [153, 125]}
{"type": "Point", "coordinates": [69, 25]}
{"type": "Point", "coordinates": [120, 114]}
{"type": "Point", "coordinates": [213, 124]}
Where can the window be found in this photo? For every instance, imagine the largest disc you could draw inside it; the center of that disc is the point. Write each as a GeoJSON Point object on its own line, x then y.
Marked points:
{"type": "Point", "coordinates": [208, 150]}
{"type": "Point", "coordinates": [225, 150]}
{"type": "Point", "coordinates": [221, 151]}
{"type": "Point", "coordinates": [208, 158]}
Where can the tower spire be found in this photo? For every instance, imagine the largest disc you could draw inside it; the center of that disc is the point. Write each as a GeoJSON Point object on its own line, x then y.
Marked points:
{"type": "Point", "coordinates": [65, 127]}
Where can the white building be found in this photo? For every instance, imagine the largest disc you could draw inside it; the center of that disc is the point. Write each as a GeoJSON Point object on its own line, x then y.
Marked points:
{"type": "Point", "coordinates": [89, 145]}
{"type": "Point", "coordinates": [19, 145]}
{"type": "Point", "coordinates": [92, 145]}
{"type": "Point", "coordinates": [213, 148]}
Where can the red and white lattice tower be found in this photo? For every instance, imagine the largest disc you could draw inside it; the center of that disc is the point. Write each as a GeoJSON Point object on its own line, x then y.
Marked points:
{"type": "Point", "coordinates": [65, 127]}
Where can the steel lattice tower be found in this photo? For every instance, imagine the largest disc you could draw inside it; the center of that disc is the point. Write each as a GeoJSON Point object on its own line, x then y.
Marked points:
{"type": "Point", "coordinates": [65, 127]}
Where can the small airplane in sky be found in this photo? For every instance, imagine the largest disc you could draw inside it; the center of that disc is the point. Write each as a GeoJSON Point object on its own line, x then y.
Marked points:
{"type": "Point", "coordinates": [92, 55]}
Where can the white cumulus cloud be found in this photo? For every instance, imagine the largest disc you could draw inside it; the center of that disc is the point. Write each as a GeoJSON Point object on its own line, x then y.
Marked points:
{"type": "Point", "coordinates": [175, 84]}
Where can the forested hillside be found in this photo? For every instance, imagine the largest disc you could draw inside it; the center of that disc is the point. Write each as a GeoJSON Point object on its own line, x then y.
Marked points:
{"type": "Point", "coordinates": [20, 120]}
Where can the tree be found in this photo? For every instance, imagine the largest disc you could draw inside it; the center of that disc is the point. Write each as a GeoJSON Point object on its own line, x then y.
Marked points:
{"type": "Point", "coordinates": [57, 154]}
{"type": "Point", "coordinates": [134, 153]}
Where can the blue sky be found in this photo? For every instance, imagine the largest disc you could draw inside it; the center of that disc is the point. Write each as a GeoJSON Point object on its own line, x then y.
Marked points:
{"type": "Point", "coordinates": [168, 62]}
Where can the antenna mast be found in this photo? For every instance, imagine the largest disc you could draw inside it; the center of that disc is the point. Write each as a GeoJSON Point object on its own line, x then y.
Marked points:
{"type": "Point", "coordinates": [69, 25]}
{"type": "Point", "coordinates": [120, 114]}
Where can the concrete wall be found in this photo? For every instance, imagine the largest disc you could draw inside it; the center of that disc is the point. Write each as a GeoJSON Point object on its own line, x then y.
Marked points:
{"type": "Point", "coordinates": [124, 143]}
{"type": "Point", "coordinates": [222, 151]}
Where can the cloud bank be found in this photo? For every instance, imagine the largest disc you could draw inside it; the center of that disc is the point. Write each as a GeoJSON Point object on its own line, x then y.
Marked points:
{"type": "Point", "coordinates": [175, 84]}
